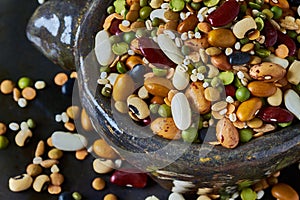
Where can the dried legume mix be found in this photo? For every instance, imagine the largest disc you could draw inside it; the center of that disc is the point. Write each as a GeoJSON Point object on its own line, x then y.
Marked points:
{"type": "Point", "coordinates": [232, 64]}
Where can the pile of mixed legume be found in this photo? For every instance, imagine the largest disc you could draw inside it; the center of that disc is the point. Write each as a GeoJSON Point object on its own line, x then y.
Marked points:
{"type": "Point", "coordinates": [234, 63]}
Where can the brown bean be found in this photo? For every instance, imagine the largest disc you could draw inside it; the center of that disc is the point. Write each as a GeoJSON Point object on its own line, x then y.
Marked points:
{"type": "Point", "coordinates": [227, 134]}
{"type": "Point", "coordinates": [261, 89]}
{"type": "Point", "coordinates": [123, 87]}
{"type": "Point", "coordinates": [221, 62]}
{"type": "Point", "coordinates": [7, 86]}
{"type": "Point", "coordinates": [188, 24]}
{"type": "Point", "coordinates": [98, 183]}
{"type": "Point", "coordinates": [221, 38]}
{"type": "Point", "coordinates": [103, 150]}
{"type": "Point", "coordinates": [158, 86]}
{"type": "Point", "coordinates": [283, 191]}
{"type": "Point", "coordinates": [247, 109]}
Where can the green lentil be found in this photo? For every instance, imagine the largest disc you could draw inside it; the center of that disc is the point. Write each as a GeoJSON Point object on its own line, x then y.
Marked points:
{"type": "Point", "coordinates": [110, 10]}
{"type": "Point", "coordinates": [155, 22]}
{"type": "Point", "coordinates": [114, 39]}
{"type": "Point", "coordinates": [76, 196]}
{"type": "Point", "coordinates": [263, 53]}
{"type": "Point", "coordinates": [291, 58]}
{"type": "Point", "coordinates": [185, 50]}
{"type": "Point", "coordinates": [159, 71]}
{"type": "Point", "coordinates": [3, 142]}
{"type": "Point", "coordinates": [202, 69]}
{"type": "Point", "coordinates": [105, 69]}
{"type": "Point", "coordinates": [200, 123]}
{"type": "Point", "coordinates": [120, 48]}
{"type": "Point", "coordinates": [141, 33]}
{"type": "Point", "coordinates": [196, 6]}
{"type": "Point", "coordinates": [153, 108]}
{"type": "Point", "coordinates": [298, 38]}
{"type": "Point", "coordinates": [119, 6]}
{"type": "Point", "coordinates": [106, 91]}
{"type": "Point", "coordinates": [248, 194]}
{"type": "Point", "coordinates": [210, 3]}
{"type": "Point", "coordinates": [242, 94]}
{"type": "Point", "coordinates": [190, 134]}
{"type": "Point", "coordinates": [243, 8]}
{"type": "Point", "coordinates": [164, 110]}
{"type": "Point", "coordinates": [121, 68]}
{"type": "Point", "coordinates": [237, 82]}
{"type": "Point", "coordinates": [277, 12]}
{"type": "Point", "coordinates": [143, 3]}
{"type": "Point", "coordinates": [25, 82]}
{"type": "Point", "coordinates": [145, 12]}
{"type": "Point", "coordinates": [268, 13]}
{"type": "Point", "coordinates": [31, 124]}
{"type": "Point", "coordinates": [244, 41]}
{"type": "Point", "coordinates": [256, 46]}
{"type": "Point", "coordinates": [227, 77]}
{"type": "Point", "coordinates": [246, 134]}
{"type": "Point", "coordinates": [254, 5]}
{"type": "Point", "coordinates": [177, 5]}
{"type": "Point", "coordinates": [207, 116]}
{"type": "Point", "coordinates": [292, 34]}
{"type": "Point", "coordinates": [128, 36]}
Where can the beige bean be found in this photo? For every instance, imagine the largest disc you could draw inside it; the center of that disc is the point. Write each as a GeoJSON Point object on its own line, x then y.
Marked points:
{"type": "Point", "coordinates": [213, 51]}
{"type": "Point", "coordinates": [255, 123]}
{"type": "Point", "coordinates": [276, 98]}
{"type": "Point", "coordinates": [103, 166]}
{"type": "Point", "coordinates": [40, 149]}
{"type": "Point", "coordinates": [41, 183]}
{"type": "Point", "coordinates": [212, 94]}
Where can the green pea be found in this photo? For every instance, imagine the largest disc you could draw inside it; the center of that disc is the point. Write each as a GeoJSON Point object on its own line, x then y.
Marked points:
{"type": "Point", "coordinates": [256, 46]}
{"type": "Point", "coordinates": [105, 69]}
{"type": "Point", "coordinates": [119, 6]}
{"type": "Point", "coordinates": [145, 12]}
{"type": "Point", "coordinates": [200, 123]}
{"type": "Point", "coordinates": [215, 82]}
{"type": "Point", "coordinates": [31, 124]}
{"type": "Point", "coordinates": [244, 41]}
{"type": "Point", "coordinates": [121, 68]}
{"type": "Point", "coordinates": [284, 124]}
{"type": "Point", "coordinates": [160, 71]}
{"type": "Point", "coordinates": [242, 94]}
{"type": "Point", "coordinates": [277, 12]}
{"type": "Point", "coordinates": [185, 50]}
{"type": "Point", "coordinates": [248, 194]}
{"type": "Point", "coordinates": [207, 116]}
{"type": "Point", "coordinates": [292, 34]}
{"type": "Point", "coordinates": [154, 108]}
{"type": "Point", "coordinates": [227, 77]}
{"type": "Point", "coordinates": [298, 38]}
{"type": "Point", "coordinates": [190, 134]}
{"type": "Point", "coordinates": [254, 5]}
{"type": "Point", "coordinates": [243, 8]}
{"type": "Point", "coordinates": [260, 23]}
{"type": "Point", "coordinates": [110, 10]}
{"type": "Point", "coordinates": [263, 53]}
{"type": "Point", "coordinates": [76, 196]}
{"type": "Point", "coordinates": [128, 36]}
{"type": "Point", "coordinates": [155, 22]}
{"type": "Point", "coordinates": [114, 39]}
{"type": "Point", "coordinates": [210, 3]}
{"type": "Point", "coordinates": [268, 13]}
{"type": "Point", "coordinates": [291, 58]}
{"type": "Point", "coordinates": [246, 134]}
{"type": "Point", "coordinates": [196, 6]}
{"type": "Point", "coordinates": [3, 142]}
{"type": "Point", "coordinates": [25, 82]}
{"type": "Point", "coordinates": [143, 3]}
{"type": "Point", "coordinates": [164, 110]}
{"type": "Point", "coordinates": [177, 5]}
{"type": "Point", "coordinates": [106, 91]}
{"type": "Point", "coordinates": [120, 48]}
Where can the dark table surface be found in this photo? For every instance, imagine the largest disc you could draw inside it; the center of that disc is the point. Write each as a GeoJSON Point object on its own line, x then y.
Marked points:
{"type": "Point", "coordinates": [19, 58]}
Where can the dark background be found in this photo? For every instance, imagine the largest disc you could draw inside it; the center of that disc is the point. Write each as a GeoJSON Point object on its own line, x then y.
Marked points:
{"type": "Point", "coordinates": [19, 58]}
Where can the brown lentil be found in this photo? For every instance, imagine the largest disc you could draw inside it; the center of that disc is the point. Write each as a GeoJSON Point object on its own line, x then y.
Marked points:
{"type": "Point", "coordinates": [16, 94]}
{"type": "Point", "coordinates": [69, 126]}
{"type": "Point", "coordinates": [55, 154]}
{"type": "Point", "coordinates": [28, 93]}
{"type": "Point", "coordinates": [49, 142]}
{"type": "Point", "coordinates": [81, 154]}
{"type": "Point", "coordinates": [7, 86]}
{"type": "Point", "coordinates": [54, 189]}
{"type": "Point", "coordinates": [98, 183]}
{"type": "Point", "coordinates": [60, 78]}
{"type": "Point", "coordinates": [73, 112]}
{"type": "Point", "coordinates": [110, 197]}
{"type": "Point", "coordinates": [3, 128]}
{"type": "Point", "coordinates": [56, 179]}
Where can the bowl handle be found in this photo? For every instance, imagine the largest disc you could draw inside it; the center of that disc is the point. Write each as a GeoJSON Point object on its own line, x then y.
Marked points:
{"type": "Point", "coordinates": [52, 29]}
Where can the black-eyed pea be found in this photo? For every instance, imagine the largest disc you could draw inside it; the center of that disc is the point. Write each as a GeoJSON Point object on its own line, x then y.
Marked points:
{"type": "Point", "coordinates": [55, 154]}
{"type": "Point", "coordinates": [23, 137]}
{"type": "Point", "coordinates": [57, 179]}
{"type": "Point", "coordinates": [34, 170]}
{"type": "Point", "coordinates": [20, 183]}
{"type": "Point", "coordinates": [40, 149]}
{"type": "Point", "coordinates": [138, 107]}
{"type": "Point", "coordinates": [54, 189]}
{"type": "Point", "coordinates": [41, 183]}
{"type": "Point", "coordinates": [255, 123]}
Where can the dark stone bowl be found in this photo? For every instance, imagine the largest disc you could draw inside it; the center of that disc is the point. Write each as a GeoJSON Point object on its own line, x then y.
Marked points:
{"type": "Point", "coordinates": [191, 166]}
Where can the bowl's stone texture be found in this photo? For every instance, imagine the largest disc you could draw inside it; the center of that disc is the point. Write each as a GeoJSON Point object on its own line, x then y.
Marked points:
{"type": "Point", "coordinates": [198, 166]}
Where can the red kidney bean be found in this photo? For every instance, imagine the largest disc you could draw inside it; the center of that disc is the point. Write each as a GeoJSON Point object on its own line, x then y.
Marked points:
{"type": "Point", "coordinates": [275, 114]}
{"type": "Point", "coordinates": [154, 54]}
{"type": "Point", "coordinates": [137, 180]}
{"type": "Point", "coordinates": [271, 34]}
{"type": "Point", "coordinates": [289, 42]}
{"type": "Point", "coordinates": [225, 14]}
{"type": "Point", "coordinates": [230, 90]}
{"type": "Point", "coordinates": [114, 27]}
